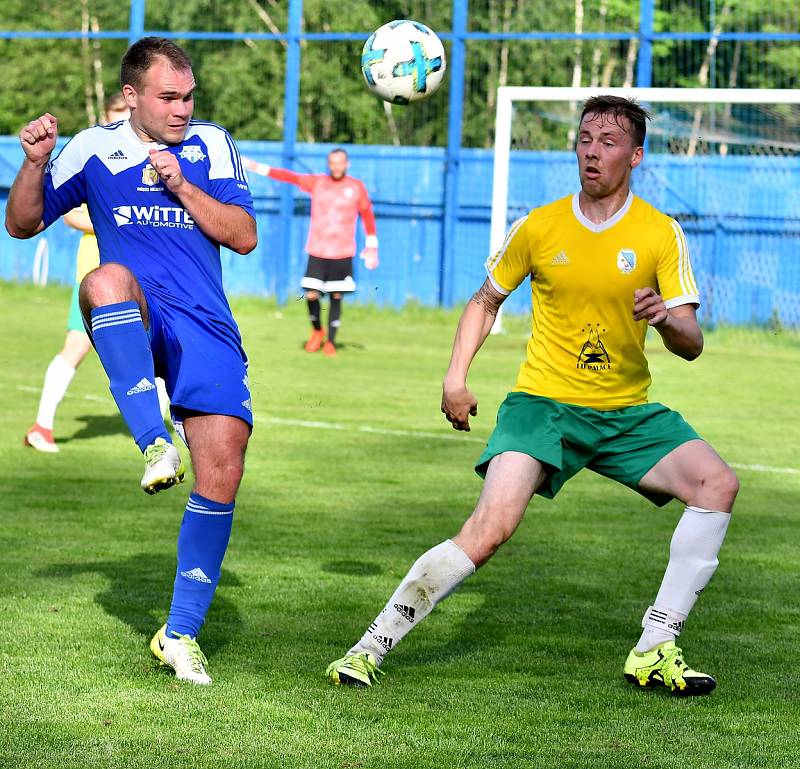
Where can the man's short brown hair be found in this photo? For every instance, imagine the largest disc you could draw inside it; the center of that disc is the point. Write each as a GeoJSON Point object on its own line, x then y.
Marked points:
{"type": "Point", "coordinates": [140, 56]}
{"type": "Point", "coordinates": [116, 102]}
{"type": "Point", "coordinates": [617, 107]}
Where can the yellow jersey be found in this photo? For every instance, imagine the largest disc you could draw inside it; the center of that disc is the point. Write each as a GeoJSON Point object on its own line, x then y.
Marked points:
{"type": "Point", "coordinates": [585, 347]}
{"type": "Point", "coordinates": [88, 253]}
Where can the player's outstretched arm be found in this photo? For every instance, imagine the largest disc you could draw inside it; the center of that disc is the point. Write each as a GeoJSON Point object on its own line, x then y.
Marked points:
{"type": "Point", "coordinates": [678, 326]}
{"type": "Point", "coordinates": [458, 403]}
{"type": "Point", "coordinates": [303, 181]}
{"type": "Point", "coordinates": [228, 224]}
{"type": "Point", "coordinates": [26, 200]}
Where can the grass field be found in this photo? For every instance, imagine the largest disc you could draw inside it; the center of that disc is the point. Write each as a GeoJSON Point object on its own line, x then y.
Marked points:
{"type": "Point", "coordinates": [352, 473]}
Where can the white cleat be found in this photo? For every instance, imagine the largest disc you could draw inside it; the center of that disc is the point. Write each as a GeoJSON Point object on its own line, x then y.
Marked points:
{"type": "Point", "coordinates": [162, 467]}
{"type": "Point", "coordinates": [183, 655]}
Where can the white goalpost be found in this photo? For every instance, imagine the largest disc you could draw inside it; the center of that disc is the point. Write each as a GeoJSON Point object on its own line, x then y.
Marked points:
{"type": "Point", "coordinates": [711, 124]}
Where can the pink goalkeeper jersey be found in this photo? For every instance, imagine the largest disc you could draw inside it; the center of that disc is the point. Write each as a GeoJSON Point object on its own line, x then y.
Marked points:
{"type": "Point", "coordinates": [335, 206]}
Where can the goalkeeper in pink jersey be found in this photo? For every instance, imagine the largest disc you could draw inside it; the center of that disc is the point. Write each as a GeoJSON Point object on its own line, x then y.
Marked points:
{"type": "Point", "coordinates": [336, 202]}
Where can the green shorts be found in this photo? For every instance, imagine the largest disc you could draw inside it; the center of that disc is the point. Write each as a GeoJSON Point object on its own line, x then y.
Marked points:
{"type": "Point", "coordinates": [75, 319]}
{"type": "Point", "coordinates": [623, 444]}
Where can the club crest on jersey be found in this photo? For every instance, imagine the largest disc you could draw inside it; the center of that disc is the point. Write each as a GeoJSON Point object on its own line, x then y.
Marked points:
{"type": "Point", "coordinates": [192, 153]}
{"type": "Point", "coordinates": [149, 175]}
{"type": "Point", "coordinates": [626, 261]}
{"type": "Point", "coordinates": [593, 355]}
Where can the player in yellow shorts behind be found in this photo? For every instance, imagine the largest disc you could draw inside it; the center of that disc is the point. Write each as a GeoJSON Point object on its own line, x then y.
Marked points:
{"type": "Point", "coordinates": [62, 368]}
{"type": "Point", "coordinates": [604, 265]}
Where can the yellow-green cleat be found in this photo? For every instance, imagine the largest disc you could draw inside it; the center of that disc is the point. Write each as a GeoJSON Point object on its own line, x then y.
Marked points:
{"type": "Point", "coordinates": [359, 669]}
{"type": "Point", "coordinates": [162, 467]}
{"type": "Point", "coordinates": [665, 666]}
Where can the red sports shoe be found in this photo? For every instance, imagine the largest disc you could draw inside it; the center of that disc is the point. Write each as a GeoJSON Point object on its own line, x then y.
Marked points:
{"type": "Point", "coordinates": [315, 340]}
{"type": "Point", "coordinates": [329, 348]}
{"type": "Point", "coordinates": [41, 439]}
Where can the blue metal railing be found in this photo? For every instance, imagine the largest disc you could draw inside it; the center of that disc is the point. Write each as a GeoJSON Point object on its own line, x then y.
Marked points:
{"type": "Point", "coordinates": [294, 36]}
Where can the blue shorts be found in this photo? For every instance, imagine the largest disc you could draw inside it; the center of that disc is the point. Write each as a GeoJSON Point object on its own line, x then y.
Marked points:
{"type": "Point", "coordinates": [202, 363]}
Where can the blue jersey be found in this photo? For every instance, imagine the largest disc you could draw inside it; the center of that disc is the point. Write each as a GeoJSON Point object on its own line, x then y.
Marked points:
{"type": "Point", "coordinates": [143, 226]}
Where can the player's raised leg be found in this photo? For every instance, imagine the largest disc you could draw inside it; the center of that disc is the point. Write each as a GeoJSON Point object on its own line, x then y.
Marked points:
{"type": "Point", "coordinates": [696, 475]}
{"type": "Point", "coordinates": [511, 480]}
{"type": "Point", "coordinates": [113, 301]}
{"type": "Point", "coordinates": [217, 444]}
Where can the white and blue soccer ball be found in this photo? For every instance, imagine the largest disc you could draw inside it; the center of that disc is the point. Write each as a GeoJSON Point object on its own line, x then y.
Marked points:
{"type": "Point", "coordinates": [403, 61]}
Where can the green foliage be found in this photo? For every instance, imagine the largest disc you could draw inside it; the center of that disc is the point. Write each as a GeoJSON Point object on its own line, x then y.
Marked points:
{"type": "Point", "coordinates": [240, 83]}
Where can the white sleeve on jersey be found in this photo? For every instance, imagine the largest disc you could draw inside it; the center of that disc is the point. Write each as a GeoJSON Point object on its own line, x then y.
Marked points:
{"type": "Point", "coordinates": [68, 163]}
{"type": "Point", "coordinates": [223, 156]}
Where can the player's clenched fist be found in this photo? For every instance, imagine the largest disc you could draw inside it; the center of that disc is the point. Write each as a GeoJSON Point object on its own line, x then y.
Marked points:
{"type": "Point", "coordinates": [458, 405]}
{"type": "Point", "coordinates": [38, 138]}
{"type": "Point", "coordinates": [168, 168]}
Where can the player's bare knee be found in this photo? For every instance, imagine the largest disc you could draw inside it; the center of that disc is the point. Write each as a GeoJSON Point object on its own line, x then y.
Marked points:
{"type": "Point", "coordinates": [729, 486]}
{"type": "Point", "coordinates": [718, 489]}
{"type": "Point", "coordinates": [220, 480]}
{"type": "Point", "coordinates": [109, 284]}
{"type": "Point", "coordinates": [312, 295]}
{"type": "Point", "coordinates": [481, 537]}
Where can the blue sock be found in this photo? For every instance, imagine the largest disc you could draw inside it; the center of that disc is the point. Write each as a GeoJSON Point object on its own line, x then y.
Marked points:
{"type": "Point", "coordinates": [124, 350]}
{"type": "Point", "coordinates": [202, 542]}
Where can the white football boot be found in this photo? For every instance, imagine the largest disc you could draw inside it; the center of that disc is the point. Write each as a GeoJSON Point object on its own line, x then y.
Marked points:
{"type": "Point", "coordinates": [183, 655]}
{"type": "Point", "coordinates": [162, 467]}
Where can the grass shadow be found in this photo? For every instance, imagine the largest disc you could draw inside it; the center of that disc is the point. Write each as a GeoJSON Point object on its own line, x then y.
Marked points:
{"type": "Point", "coordinates": [139, 592]}
{"type": "Point", "coordinates": [97, 426]}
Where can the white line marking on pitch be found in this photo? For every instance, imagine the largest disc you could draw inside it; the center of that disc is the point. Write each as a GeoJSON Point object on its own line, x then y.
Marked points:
{"type": "Point", "coordinates": [443, 436]}
{"type": "Point", "coordinates": [368, 429]}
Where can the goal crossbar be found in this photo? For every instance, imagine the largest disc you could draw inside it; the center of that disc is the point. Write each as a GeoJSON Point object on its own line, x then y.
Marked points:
{"type": "Point", "coordinates": [507, 95]}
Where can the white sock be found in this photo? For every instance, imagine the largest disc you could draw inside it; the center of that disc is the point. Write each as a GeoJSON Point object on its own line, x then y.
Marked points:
{"type": "Point", "coordinates": [163, 398]}
{"type": "Point", "coordinates": [56, 381]}
{"type": "Point", "coordinates": [432, 578]}
{"type": "Point", "coordinates": [692, 562]}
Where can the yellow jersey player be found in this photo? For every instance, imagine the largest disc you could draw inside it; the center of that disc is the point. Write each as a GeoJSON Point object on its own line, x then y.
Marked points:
{"type": "Point", "coordinates": [604, 265]}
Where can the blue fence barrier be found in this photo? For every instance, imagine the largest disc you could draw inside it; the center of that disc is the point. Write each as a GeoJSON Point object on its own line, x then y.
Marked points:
{"type": "Point", "coordinates": [739, 214]}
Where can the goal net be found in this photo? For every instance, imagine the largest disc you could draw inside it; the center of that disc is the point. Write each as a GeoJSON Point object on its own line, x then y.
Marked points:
{"type": "Point", "coordinates": [724, 162]}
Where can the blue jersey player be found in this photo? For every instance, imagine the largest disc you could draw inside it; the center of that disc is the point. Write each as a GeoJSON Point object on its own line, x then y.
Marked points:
{"type": "Point", "coordinates": [163, 192]}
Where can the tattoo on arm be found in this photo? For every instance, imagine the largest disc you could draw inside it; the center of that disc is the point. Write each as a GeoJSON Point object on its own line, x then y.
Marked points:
{"type": "Point", "coordinates": [489, 299]}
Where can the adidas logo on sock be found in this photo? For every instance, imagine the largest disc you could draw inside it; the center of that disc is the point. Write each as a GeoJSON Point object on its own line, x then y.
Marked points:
{"type": "Point", "coordinates": [383, 641]}
{"type": "Point", "coordinates": [407, 611]}
{"type": "Point", "coordinates": [659, 617]}
{"type": "Point", "coordinates": [560, 258]}
{"type": "Point", "coordinates": [197, 574]}
{"type": "Point", "coordinates": [141, 387]}
{"type": "Point", "coordinates": [118, 155]}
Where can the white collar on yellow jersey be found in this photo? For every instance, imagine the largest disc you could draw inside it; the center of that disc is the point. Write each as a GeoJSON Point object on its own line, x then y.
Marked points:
{"type": "Point", "coordinates": [590, 225]}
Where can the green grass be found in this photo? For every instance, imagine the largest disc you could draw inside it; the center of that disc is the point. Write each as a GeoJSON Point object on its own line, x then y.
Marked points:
{"type": "Point", "coordinates": [521, 668]}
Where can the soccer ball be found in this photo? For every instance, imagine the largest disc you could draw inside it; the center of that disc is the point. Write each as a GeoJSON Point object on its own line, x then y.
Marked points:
{"type": "Point", "coordinates": [403, 61]}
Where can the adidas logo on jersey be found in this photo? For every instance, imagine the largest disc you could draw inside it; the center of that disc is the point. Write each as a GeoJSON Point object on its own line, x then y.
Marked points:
{"type": "Point", "coordinates": [407, 611]}
{"type": "Point", "coordinates": [141, 387]}
{"type": "Point", "coordinates": [196, 574]}
{"type": "Point", "coordinates": [560, 258]}
{"type": "Point", "coordinates": [118, 155]}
